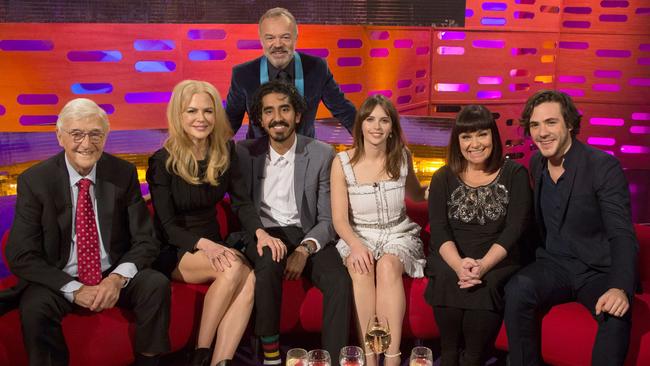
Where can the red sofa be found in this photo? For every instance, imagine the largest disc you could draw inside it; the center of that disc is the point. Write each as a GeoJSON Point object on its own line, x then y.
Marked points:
{"type": "Point", "coordinates": [568, 331]}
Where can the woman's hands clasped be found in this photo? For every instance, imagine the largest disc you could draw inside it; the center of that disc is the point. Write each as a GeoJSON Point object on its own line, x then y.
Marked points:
{"type": "Point", "coordinates": [220, 257]}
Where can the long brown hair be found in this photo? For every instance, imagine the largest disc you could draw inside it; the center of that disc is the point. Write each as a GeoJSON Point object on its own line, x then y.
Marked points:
{"type": "Point", "coordinates": [181, 160]}
{"type": "Point", "coordinates": [395, 143]}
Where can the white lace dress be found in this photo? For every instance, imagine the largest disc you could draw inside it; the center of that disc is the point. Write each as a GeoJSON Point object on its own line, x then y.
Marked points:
{"type": "Point", "coordinates": [377, 215]}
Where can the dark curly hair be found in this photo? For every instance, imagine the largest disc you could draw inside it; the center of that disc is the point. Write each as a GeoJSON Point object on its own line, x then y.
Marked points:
{"type": "Point", "coordinates": [569, 111]}
{"type": "Point", "coordinates": [295, 99]}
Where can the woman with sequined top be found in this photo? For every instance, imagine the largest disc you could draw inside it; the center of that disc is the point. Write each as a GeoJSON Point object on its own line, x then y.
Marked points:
{"type": "Point", "coordinates": [479, 207]}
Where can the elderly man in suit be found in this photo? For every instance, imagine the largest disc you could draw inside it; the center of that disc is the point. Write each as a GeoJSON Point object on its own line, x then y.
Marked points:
{"type": "Point", "coordinates": [82, 239]}
{"type": "Point", "coordinates": [287, 176]}
{"type": "Point", "coordinates": [278, 34]}
{"type": "Point", "coordinates": [582, 208]}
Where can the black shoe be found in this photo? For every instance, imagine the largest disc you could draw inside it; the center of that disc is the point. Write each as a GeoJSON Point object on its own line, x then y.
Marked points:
{"type": "Point", "coordinates": [224, 363]}
{"type": "Point", "coordinates": [141, 360]}
{"type": "Point", "coordinates": [201, 357]}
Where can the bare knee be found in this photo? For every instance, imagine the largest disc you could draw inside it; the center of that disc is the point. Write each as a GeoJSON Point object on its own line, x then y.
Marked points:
{"type": "Point", "coordinates": [389, 269]}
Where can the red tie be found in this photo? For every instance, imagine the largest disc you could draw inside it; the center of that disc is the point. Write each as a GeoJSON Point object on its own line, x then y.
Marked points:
{"type": "Point", "coordinates": [88, 263]}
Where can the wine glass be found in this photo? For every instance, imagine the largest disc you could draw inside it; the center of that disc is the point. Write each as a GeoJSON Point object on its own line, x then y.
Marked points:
{"type": "Point", "coordinates": [421, 356]}
{"type": "Point", "coordinates": [297, 357]}
{"type": "Point", "coordinates": [319, 357]}
{"type": "Point", "coordinates": [351, 356]}
{"type": "Point", "coordinates": [378, 334]}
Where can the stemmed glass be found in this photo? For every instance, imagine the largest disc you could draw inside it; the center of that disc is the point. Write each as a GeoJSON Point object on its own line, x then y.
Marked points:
{"type": "Point", "coordinates": [319, 357]}
{"type": "Point", "coordinates": [297, 357]}
{"type": "Point", "coordinates": [421, 356]}
{"type": "Point", "coordinates": [351, 356]}
{"type": "Point", "coordinates": [378, 334]}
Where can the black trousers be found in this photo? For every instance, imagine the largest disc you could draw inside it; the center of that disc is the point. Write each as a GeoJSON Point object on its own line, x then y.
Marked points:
{"type": "Point", "coordinates": [324, 269]}
{"type": "Point", "coordinates": [545, 283]}
{"type": "Point", "coordinates": [466, 335]}
{"type": "Point", "coordinates": [42, 310]}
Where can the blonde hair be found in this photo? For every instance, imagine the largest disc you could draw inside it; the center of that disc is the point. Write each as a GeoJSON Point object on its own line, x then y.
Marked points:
{"type": "Point", "coordinates": [182, 161]}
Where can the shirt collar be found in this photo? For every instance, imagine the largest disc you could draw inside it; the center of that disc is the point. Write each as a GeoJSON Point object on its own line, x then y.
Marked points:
{"type": "Point", "coordinates": [273, 71]}
{"type": "Point", "coordinates": [290, 155]}
{"type": "Point", "coordinates": [75, 177]}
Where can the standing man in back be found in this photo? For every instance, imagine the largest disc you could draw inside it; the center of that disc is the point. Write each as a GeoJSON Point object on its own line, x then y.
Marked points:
{"type": "Point", "coordinates": [278, 35]}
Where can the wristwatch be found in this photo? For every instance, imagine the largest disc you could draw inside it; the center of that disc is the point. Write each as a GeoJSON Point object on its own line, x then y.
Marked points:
{"type": "Point", "coordinates": [308, 247]}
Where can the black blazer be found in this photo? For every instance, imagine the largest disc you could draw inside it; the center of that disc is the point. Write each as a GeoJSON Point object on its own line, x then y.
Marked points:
{"type": "Point", "coordinates": [41, 234]}
{"type": "Point", "coordinates": [319, 85]}
{"type": "Point", "coordinates": [596, 217]}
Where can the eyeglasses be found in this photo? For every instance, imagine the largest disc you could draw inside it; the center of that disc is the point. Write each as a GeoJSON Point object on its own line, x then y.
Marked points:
{"type": "Point", "coordinates": [78, 136]}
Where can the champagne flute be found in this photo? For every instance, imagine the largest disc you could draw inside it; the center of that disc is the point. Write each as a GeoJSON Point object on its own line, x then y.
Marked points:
{"type": "Point", "coordinates": [319, 357]}
{"type": "Point", "coordinates": [351, 356]}
{"type": "Point", "coordinates": [378, 334]}
{"type": "Point", "coordinates": [297, 357]}
{"type": "Point", "coordinates": [421, 356]}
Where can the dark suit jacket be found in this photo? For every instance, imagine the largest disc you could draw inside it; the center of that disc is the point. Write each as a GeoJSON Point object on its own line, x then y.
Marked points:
{"type": "Point", "coordinates": [311, 182]}
{"type": "Point", "coordinates": [319, 85]}
{"type": "Point", "coordinates": [596, 219]}
{"type": "Point", "coordinates": [40, 238]}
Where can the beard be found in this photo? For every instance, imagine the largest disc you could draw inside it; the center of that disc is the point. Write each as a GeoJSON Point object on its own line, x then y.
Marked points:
{"type": "Point", "coordinates": [280, 136]}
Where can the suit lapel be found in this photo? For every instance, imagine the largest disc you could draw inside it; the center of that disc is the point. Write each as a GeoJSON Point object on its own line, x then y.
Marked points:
{"type": "Point", "coordinates": [62, 195]}
{"type": "Point", "coordinates": [300, 171]}
{"type": "Point", "coordinates": [569, 179]}
{"type": "Point", "coordinates": [105, 195]}
{"type": "Point", "coordinates": [259, 153]}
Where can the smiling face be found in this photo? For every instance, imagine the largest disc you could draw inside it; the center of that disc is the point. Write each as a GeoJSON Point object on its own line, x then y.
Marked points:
{"type": "Point", "coordinates": [198, 118]}
{"type": "Point", "coordinates": [279, 119]}
{"type": "Point", "coordinates": [549, 131]}
{"type": "Point", "coordinates": [83, 154]}
{"type": "Point", "coordinates": [377, 127]}
{"type": "Point", "coordinates": [278, 36]}
{"type": "Point", "coordinates": [476, 147]}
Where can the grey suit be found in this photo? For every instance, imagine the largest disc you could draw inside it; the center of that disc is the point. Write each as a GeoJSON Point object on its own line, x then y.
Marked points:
{"type": "Point", "coordinates": [325, 268]}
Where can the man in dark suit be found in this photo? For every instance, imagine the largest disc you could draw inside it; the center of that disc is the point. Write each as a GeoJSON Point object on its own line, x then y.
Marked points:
{"type": "Point", "coordinates": [311, 76]}
{"type": "Point", "coordinates": [582, 208]}
{"type": "Point", "coordinates": [82, 239]}
{"type": "Point", "coordinates": [288, 178]}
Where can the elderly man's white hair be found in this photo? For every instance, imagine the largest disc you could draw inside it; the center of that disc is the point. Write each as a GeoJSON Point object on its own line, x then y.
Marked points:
{"type": "Point", "coordinates": [80, 109]}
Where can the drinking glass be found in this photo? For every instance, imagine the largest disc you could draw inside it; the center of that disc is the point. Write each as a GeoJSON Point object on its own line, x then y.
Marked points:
{"type": "Point", "coordinates": [378, 334]}
{"type": "Point", "coordinates": [319, 357]}
{"type": "Point", "coordinates": [351, 356]}
{"type": "Point", "coordinates": [297, 357]}
{"type": "Point", "coordinates": [421, 356]}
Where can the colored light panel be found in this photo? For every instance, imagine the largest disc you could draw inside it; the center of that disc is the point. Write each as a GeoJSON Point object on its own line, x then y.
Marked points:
{"type": "Point", "coordinates": [420, 73]}
{"type": "Point", "coordinates": [574, 92]}
{"type": "Point", "coordinates": [493, 21]}
{"type": "Point", "coordinates": [349, 61]}
{"type": "Point", "coordinates": [316, 52]}
{"type": "Point", "coordinates": [2, 110]}
{"type": "Point", "coordinates": [108, 108]}
{"type": "Point", "coordinates": [420, 88]}
{"type": "Point", "coordinates": [401, 84]}
{"type": "Point", "coordinates": [155, 66]}
{"type": "Point", "coordinates": [403, 99]}
{"type": "Point", "coordinates": [212, 34]}
{"type": "Point", "coordinates": [548, 45]}
{"type": "Point", "coordinates": [450, 87]}
{"type": "Point", "coordinates": [577, 10]}
{"type": "Point", "coordinates": [635, 149]}
{"type": "Point", "coordinates": [640, 81]}
{"type": "Point", "coordinates": [613, 53]}
{"type": "Point", "coordinates": [642, 11]}
{"type": "Point", "coordinates": [379, 52]}
{"type": "Point", "coordinates": [147, 97]}
{"type": "Point", "coordinates": [576, 24]}
{"type": "Point", "coordinates": [37, 120]}
{"type": "Point", "coordinates": [644, 47]}
{"type": "Point", "coordinates": [37, 99]}
{"type": "Point", "coordinates": [523, 51]}
{"type": "Point", "coordinates": [614, 4]}
{"type": "Point", "coordinates": [351, 88]}
{"type": "Point", "coordinates": [403, 43]}
{"type": "Point", "coordinates": [613, 18]}
{"type": "Point", "coordinates": [611, 88]}
{"type": "Point", "coordinates": [420, 51]}
{"type": "Point", "coordinates": [640, 116]}
{"type": "Point", "coordinates": [349, 43]}
{"type": "Point", "coordinates": [544, 79]}
{"type": "Point", "coordinates": [26, 45]}
{"type": "Point", "coordinates": [379, 35]}
{"type": "Point", "coordinates": [386, 93]}
{"type": "Point", "coordinates": [488, 43]}
{"type": "Point", "coordinates": [447, 51]}
{"type": "Point", "coordinates": [643, 60]}
{"type": "Point", "coordinates": [523, 15]}
{"type": "Point", "coordinates": [154, 45]}
{"type": "Point", "coordinates": [574, 45]}
{"type": "Point", "coordinates": [249, 44]}
{"type": "Point", "coordinates": [602, 141]}
{"type": "Point", "coordinates": [518, 73]}
{"type": "Point", "coordinates": [494, 6]}
{"type": "Point", "coordinates": [547, 59]}
{"type": "Point", "coordinates": [614, 74]}
{"type": "Point", "coordinates": [91, 88]}
{"type": "Point", "coordinates": [599, 121]}
{"type": "Point", "coordinates": [451, 36]}
{"type": "Point", "coordinates": [207, 55]}
{"type": "Point", "coordinates": [469, 13]}
{"type": "Point", "coordinates": [95, 56]}
{"type": "Point", "coordinates": [571, 79]}
{"type": "Point", "coordinates": [490, 80]}
{"type": "Point", "coordinates": [643, 130]}
{"type": "Point", "coordinates": [549, 9]}
{"type": "Point", "coordinates": [519, 87]}
{"type": "Point", "coordinates": [488, 94]}
{"type": "Point", "coordinates": [527, 2]}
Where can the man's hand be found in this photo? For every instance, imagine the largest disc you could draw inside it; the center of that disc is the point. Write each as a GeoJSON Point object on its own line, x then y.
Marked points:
{"type": "Point", "coordinates": [278, 249]}
{"type": "Point", "coordinates": [614, 302]}
{"type": "Point", "coordinates": [85, 296]}
{"type": "Point", "coordinates": [296, 263]}
{"type": "Point", "coordinates": [108, 292]}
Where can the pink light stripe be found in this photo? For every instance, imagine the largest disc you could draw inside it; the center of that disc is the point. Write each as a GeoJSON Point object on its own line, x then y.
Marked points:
{"type": "Point", "coordinates": [640, 130]}
{"type": "Point", "coordinates": [635, 149]}
{"type": "Point", "coordinates": [606, 87]}
{"type": "Point", "coordinates": [490, 80]}
{"type": "Point", "coordinates": [604, 141]}
{"type": "Point", "coordinates": [640, 81]}
{"type": "Point", "coordinates": [641, 116]}
{"type": "Point", "coordinates": [446, 50]}
{"type": "Point", "coordinates": [571, 79]}
{"type": "Point", "coordinates": [599, 121]}
{"type": "Point", "coordinates": [450, 87]}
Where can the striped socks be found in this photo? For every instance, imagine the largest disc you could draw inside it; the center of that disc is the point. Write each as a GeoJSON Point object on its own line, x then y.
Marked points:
{"type": "Point", "coordinates": [271, 348]}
